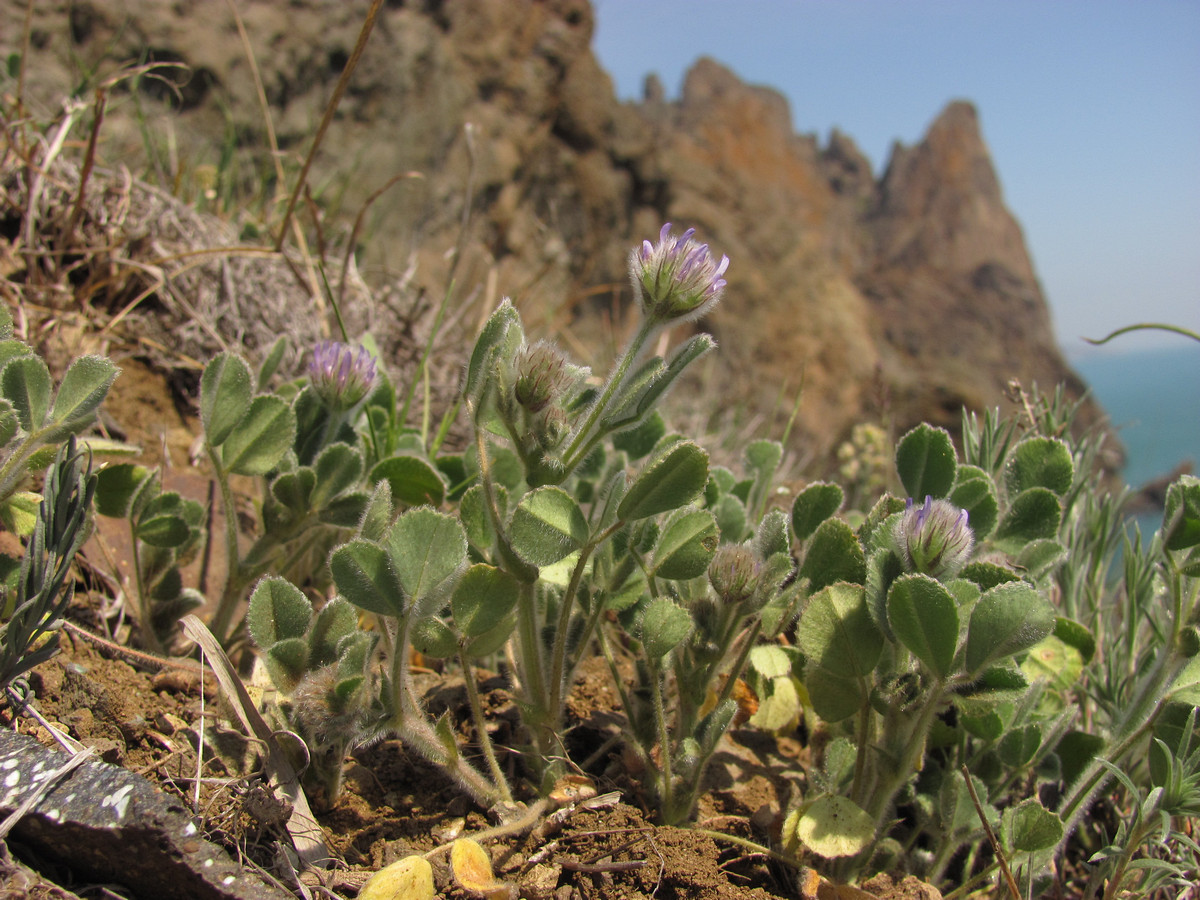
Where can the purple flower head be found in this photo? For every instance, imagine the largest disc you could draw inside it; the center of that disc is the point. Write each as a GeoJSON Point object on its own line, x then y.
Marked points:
{"type": "Point", "coordinates": [734, 573]}
{"type": "Point", "coordinates": [677, 278]}
{"type": "Point", "coordinates": [934, 538]}
{"type": "Point", "coordinates": [340, 374]}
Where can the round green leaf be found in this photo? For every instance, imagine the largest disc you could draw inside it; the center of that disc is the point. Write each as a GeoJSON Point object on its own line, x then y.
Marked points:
{"type": "Point", "coordinates": [162, 530]}
{"type": "Point", "coordinates": [261, 437]}
{"type": "Point", "coordinates": [483, 596]}
{"type": "Point", "coordinates": [413, 480]}
{"type": "Point", "coordinates": [814, 505]}
{"type": "Point", "coordinates": [926, 461]}
{"type": "Point", "coordinates": [664, 627]}
{"type": "Point", "coordinates": [226, 388]}
{"type": "Point", "coordinates": [1040, 462]}
{"type": "Point", "coordinates": [833, 827]}
{"type": "Point", "coordinates": [686, 545]}
{"type": "Point", "coordinates": [924, 618]}
{"type": "Point", "coordinates": [278, 611]}
{"type": "Point", "coordinates": [547, 526]}
{"type": "Point", "coordinates": [637, 442]}
{"type": "Point", "coordinates": [1018, 746]}
{"type": "Point", "coordinates": [668, 482]}
{"type": "Point", "coordinates": [1007, 619]}
{"type": "Point", "coordinates": [287, 661]}
{"type": "Point", "coordinates": [490, 641]}
{"type": "Point", "coordinates": [337, 619]}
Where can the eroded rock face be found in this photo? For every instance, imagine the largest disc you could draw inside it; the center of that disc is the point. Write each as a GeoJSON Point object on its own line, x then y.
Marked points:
{"type": "Point", "coordinates": [902, 296]}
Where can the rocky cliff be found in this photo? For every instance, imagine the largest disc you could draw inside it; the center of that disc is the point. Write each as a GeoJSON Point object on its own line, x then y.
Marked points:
{"type": "Point", "coordinates": [905, 295]}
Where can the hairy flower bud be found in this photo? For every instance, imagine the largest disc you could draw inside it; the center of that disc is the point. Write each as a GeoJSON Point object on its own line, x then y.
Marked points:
{"type": "Point", "coordinates": [733, 573]}
{"type": "Point", "coordinates": [677, 278]}
{"type": "Point", "coordinates": [340, 374]}
{"type": "Point", "coordinates": [934, 538]}
{"type": "Point", "coordinates": [541, 376]}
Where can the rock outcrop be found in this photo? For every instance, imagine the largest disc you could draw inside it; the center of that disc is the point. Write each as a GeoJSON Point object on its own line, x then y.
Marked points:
{"type": "Point", "coordinates": [900, 297]}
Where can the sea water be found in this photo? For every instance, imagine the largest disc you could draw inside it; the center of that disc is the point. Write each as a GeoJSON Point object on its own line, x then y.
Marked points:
{"type": "Point", "coordinates": [1152, 398]}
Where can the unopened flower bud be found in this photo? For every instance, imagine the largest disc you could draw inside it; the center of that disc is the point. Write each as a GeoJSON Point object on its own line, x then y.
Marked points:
{"type": "Point", "coordinates": [733, 573]}
{"type": "Point", "coordinates": [541, 375]}
{"type": "Point", "coordinates": [341, 375]}
{"type": "Point", "coordinates": [677, 278]}
{"type": "Point", "coordinates": [934, 538]}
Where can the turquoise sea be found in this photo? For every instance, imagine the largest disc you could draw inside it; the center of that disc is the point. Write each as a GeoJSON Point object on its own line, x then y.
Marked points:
{"type": "Point", "coordinates": [1153, 398]}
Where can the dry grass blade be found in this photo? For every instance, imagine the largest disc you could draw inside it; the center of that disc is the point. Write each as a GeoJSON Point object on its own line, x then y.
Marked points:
{"type": "Point", "coordinates": [302, 826]}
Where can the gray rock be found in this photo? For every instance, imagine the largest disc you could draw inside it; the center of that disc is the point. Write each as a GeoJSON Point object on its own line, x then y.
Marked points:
{"type": "Point", "coordinates": [108, 825]}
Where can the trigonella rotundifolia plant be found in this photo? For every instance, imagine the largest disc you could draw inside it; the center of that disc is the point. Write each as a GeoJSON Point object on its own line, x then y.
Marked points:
{"type": "Point", "coordinates": [934, 538]}
{"type": "Point", "coordinates": [342, 375]}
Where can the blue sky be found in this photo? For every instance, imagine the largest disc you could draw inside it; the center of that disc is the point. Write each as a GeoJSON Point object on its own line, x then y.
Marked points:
{"type": "Point", "coordinates": [1091, 110]}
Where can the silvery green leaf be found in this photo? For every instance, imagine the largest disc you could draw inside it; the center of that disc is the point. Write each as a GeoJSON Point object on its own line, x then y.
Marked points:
{"type": "Point", "coordinates": [278, 611]}
{"type": "Point", "coordinates": [482, 598]}
{"type": "Point", "coordinates": [1029, 826]}
{"type": "Point", "coordinates": [772, 536]}
{"type": "Point", "coordinates": [80, 393]}
{"type": "Point", "coordinates": [378, 514]}
{"type": "Point", "coordinates": [1035, 513]}
{"type": "Point", "coordinates": [270, 363]}
{"type": "Point", "coordinates": [685, 545]}
{"type": "Point", "coordinates": [226, 388]}
{"type": "Point", "coordinates": [25, 383]}
{"type": "Point", "coordinates": [490, 641]}
{"type": "Point", "coordinates": [1181, 516]}
{"type": "Point", "coordinates": [547, 526]}
{"type": "Point", "coordinates": [664, 627]}
{"type": "Point", "coordinates": [287, 661]}
{"type": "Point", "coordinates": [261, 437]}
{"type": "Point", "coordinates": [762, 458]}
{"type": "Point", "coordinates": [338, 468]}
{"type": "Point", "coordinates": [834, 554]}
{"type": "Point", "coordinates": [638, 441]}
{"type": "Point", "coordinates": [924, 618]}
{"type": "Point", "coordinates": [337, 619]}
{"type": "Point", "coordinates": [433, 637]}
{"type": "Point", "coordinates": [669, 481]}
{"type": "Point", "coordinates": [1007, 619]}
{"type": "Point", "coordinates": [294, 489]}
{"type": "Point", "coordinates": [1040, 462]}
{"type": "Point", "coordinates": [974, 492]}
{"type": "Point", "coordinates": [926, 461]}
{"type": "Point", "coordinates": [428, 549]}
{"type": "Point", "coordinates": [501, 336]}
{"type": "Point", "coordinates": [365, 575]}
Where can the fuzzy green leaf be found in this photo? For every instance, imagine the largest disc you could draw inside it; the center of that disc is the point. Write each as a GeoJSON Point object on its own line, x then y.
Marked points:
{"type": "Point", "coordinates": [1181, 515]}
{"type": "Point", "coordinates": [664, 627]}
{"type": "Point", "coordinates": [338, 468]}
{"type": "Point", "coordinates": [365, 575]}
{"type": "Point", "coordinates": [926, 461]}
{"type": "Point", "coordinates": [1034, 514]}
{"type": "Point", "coordinates": [1007, 619]}
{"type": "Point", "coordinates": [433, 637]}
{"type": "Point", "coordinates": [413, 480]}
{"type": "Point", "coordinates": [974, 492]}
{"type": "Point", "coordinates": [814, 505]}
{"type": "Point", "coordinates": [1029, 826]}
{"type": "Point", "coordinates": [924, 617]}
{"type": "Point", "coordinates": [226, 388]}
{"type": "Point", "coordinates": [337, 619]}
{"type": "Point", "coordinates": [1040, 462]}
{"type": "Point", "coordinates": [25, 383]}
{"type": "Point", "coordinates": [116, 486]}
{"type": "Point", "coordinates": [482, 598]}
{"type": "Point", "coordinates": [81, 392]}
{"type": "Point", "coordinates": [834, 554]}
{"type": "Point", "coordinates": [261, 437]}
{"type": "Point", "coordinates": [429, 549]}
{"type": "Point", "coordinates": [668, 482]}
{"type": "Point", "coordinates": [547, 526]}
{"type": "Point", "coordinates": [278, 611]}
{"type": "Point", "coordinates": [686, 545]}
{"type": "Point", "coordinates": [287, 661]}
